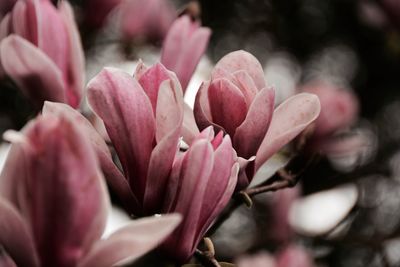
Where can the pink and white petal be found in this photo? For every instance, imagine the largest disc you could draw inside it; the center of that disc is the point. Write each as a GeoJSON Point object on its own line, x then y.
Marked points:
{"type": "Point", "coordinates": [151, 81]}
{"type": "Point", "coordinates": [169, 118]}
{"type": "Point", "coordinates": [246, 172]}
{"type": "Point", "coordinates": [227, 105]}
{"type": "Point", "coordinates": [246, 85]}
{"type": "Point", "coordinates": [63, 196]}
{"type": "Point", "coordinates": [52, 35]}
{"type": "Point", "coordinates": [76, 60]}
{"type": "Point", "coordinates": [131, 241]}
{"type": "Point", "coordinates": [169, 112]}
{"type": "Point", "coordinates": [195, 172]}
{"type": "Point", "coordinates": [36, 75]}
{"type": "Point", "coordinates": [201, 109]}
{"type": "Point", "coordinates": [251, 132]}
{"type": "Point", "coordinates": [242, 60]}
{"type": "Point", "coordinates": [16, 237]}
{"type": "Point", "coordinates": [193, 49]}
{"type": "Point", "coordinates": [174, 42]}
{"type": "Point", "coordinates": [189, 127]}
{"type": "Point", "coordinates": [114, 177]}
{"type": "Point", "coordinates": [220, 186]}
{"type": "Point", "coordinates": [160, 166]}
{"type": "Point", "coordinates": [119, 100]}
{"type": "Point", "coordinates": [289, 119]}
{"type": "Point", "coordinates": [4, 31]}
{"type": "Point", "coordinates": [24, 19]}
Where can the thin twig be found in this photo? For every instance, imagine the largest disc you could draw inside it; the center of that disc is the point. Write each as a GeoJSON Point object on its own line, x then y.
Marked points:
{"type": "Point", "coordinates": [207, 258]}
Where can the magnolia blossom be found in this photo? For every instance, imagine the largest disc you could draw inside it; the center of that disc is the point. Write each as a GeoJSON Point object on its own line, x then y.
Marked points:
{"type": "Point", "coordinates": [143, 117]}
{"type": "Point", "coordinates": [43, 52]}
{"type": "Point", "coordinates": [145, 18]}
{"type": "Point", "coordinates": [339, 107]}
{"type": "Point", "coordinates": [183, 48]}
{"type": "Point", "coordinates": [202, 182]}
{"type": "Point", "coordinates": [339, 111]}
{"type": "Point", "coordinates": [291, 256]}
{"type": "Point", "coordinates": [53, 203]}
{"type": "Point", "coordinates": [237, 101]}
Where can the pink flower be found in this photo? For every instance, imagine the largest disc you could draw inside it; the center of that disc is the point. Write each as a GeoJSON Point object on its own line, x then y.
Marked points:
{"type": "Point", "coordinates": [339, 107]}
{"type": "Point", "coordinates": [43, 54]}
{"type": "Point", "coordinates": [143, 117]}
{"type": "Point", "coordinates": [54, 203]}
{"type": "Point", "coordinates": [183, 48]}
{"type": "Point", "coordinates": [237, 101]}
{"type": "Point", "coordinates": [202, 182]}
{"type": "Point", "coordinates": [148, 19]}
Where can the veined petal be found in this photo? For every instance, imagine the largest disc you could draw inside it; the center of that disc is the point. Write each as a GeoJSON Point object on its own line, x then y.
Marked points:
{"type": "Point", "coordinates": [63, 196]}
{"type": "Point", "coordinates": [195, 172]}
{"type": "Point", "coordinates": [113, 175]}
{"type": "Point", "coordinates": [288, 120]}
{"type": "Point", "coordinates": [169, 118]}
{"type": "Point", "coordinates": [242, 60]}
{"type": "Point", "coordinates": [169, 112]}
{"type": "Point", "coordinates": [220, 186]}
{"type": "Point", "coordinates": [121, 103]}
{"type": "Point", "coordinates": [151, 81]}
{"type": "Point", "coordinates": [32, 70]}
{"type": "Point", "coordinates": [76, 59]}
{"type": "Point", "coordinates": [246, 85]}
{"type": "Point", "coordinates": [185, 43]}
{"type": "Point", "coordinates": [131, 241]}
{"type": "Point", "coordinates": [174, 42]}
{"type": "Point", "coordinates": [251, 132]}
{"type": "Point", "coordinates": [227, 104]}
{"type": "Point", "coordinates": [15, 236]}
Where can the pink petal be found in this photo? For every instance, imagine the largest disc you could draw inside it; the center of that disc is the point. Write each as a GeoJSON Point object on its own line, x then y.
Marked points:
{"type": "Point", "coordinates": [32, 70]}
{"type": "Point", "coordinates": [25, 20]}
{"type": "Point", "coordinates": [141, 69]}
{"type": "Point", "coordinates": [15, 236]}
{"type": "Point", "coordinates": [242, 60]}
{"type": "Point", "coordinates": [52, 34]}
{"type": "Point", "coordinates": [288, 120]}
{"type": "Point", "coordinates": [76, 59]}
{"type": "Point", "coordinates": [246, 85]}
{"type": "Point", "coordinates": [130, 242]}
{"type": "Point", "coordinates": [246, 172]}
{"type": "Point", "coordinates": [174, 42]}
{"type": "Point", "coordinates": [6, 261]}
{"type": "Point", "coordinates": [151, 81]}
{"type": "Point", "coordinates": [183, 48]}
{"type": "Point", "coordinates": [195, 172]}
{"type": "Point", "coordinates": [201, 110]}
{"type": "Point", "coordinates": [121, 103]}
{"type": "Point", "coordinates": [169, 111]}
{"type": "Point", "coordinates": [63, 196]}
{"type": "Point", "coordinates": [251, 132]}
{"type": "Point", "coordinates": [4, 31]}
{"type": "Point", "coordinates": [189, 127]}
{"type": "Point", "coordinates": [169, 118]}
{"type": "Point", "coordinates": [227, 104]}
{"type": "Point", "coordinates": [114, 176]}
{"type": "Point", "coordinates": [220, 186]}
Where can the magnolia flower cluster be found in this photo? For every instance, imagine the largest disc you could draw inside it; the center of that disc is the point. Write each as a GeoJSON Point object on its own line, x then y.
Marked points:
{"type": "Point", "coordinates": [52, 192]}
